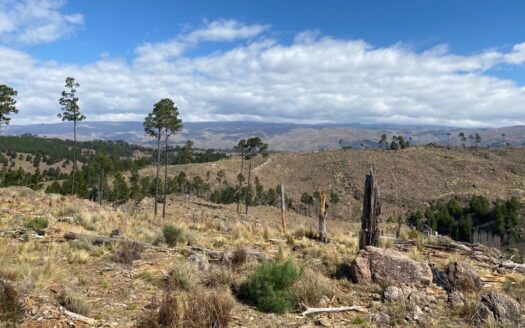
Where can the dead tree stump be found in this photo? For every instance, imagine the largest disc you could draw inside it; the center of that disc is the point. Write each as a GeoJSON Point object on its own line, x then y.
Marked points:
{"type": "Point", "coordinates": [370, 233]}
{"type": "Point", "coordinates": [323, 234]}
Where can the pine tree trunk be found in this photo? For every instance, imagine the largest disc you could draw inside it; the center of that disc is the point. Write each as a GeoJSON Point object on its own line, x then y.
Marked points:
{"type": "Point", "coordinates": [248, 194]}
{"type": "Point", "coordinates": [323, 233]}
{"type": "Point", "coordinates": [165, 179]}
{"type": "Point", "coordinates": [157, 174]}
{"type": "Point", "coordinates": [74, 157]}
{"type": "Point", "coordinates": [240, 182]}
{"type": "Point", "coordinates": [370, 233]}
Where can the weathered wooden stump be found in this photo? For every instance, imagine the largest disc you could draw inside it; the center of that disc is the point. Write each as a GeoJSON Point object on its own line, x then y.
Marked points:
{"type": "Point", "coordinates": [370, 232]}
{"type": "Point", "coordinates": [323, 234]}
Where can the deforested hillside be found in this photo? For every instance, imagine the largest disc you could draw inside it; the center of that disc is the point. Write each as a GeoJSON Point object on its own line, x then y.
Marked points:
{"type": "Point", "coordinates": [409, 178]}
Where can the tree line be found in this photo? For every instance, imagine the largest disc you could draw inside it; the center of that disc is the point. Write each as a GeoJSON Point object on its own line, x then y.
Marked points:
{"type": "Point", "coordinates": [450, 218]}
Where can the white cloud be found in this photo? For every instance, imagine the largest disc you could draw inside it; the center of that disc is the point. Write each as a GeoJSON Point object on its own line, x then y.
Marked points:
{"type": "Point", "coordinates": [313, 79]}
{"type": "Point", "coordinates": [36, 21]}
{"type": "Point", "coordinates": [215, 31]}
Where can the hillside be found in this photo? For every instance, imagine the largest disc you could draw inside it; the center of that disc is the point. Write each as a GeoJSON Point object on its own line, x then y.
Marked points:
{"type": "Point", "coordinates": [71, 261]}
{"type": "Point", "coordinates": [408, 178]}
{"type": "Point", "coordinates": [280, 136]}
{"type": "Point", "coordinates": [72, 264]}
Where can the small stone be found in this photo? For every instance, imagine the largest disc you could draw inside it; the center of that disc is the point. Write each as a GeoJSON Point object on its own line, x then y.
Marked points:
{"type": "Point", "coordinates": [324, 322]}
{"type": "Point", "coordinates": [381, 319]}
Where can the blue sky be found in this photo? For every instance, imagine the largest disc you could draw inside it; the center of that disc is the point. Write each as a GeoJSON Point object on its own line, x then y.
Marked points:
{"type": "Point", "coordinates": [419, 62]}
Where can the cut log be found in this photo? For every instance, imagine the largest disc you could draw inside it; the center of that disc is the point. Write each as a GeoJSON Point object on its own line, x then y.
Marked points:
{"type": "Point", "coordinates": [309, 311]}
{"type": "Point", "coordinates": [369, 235]}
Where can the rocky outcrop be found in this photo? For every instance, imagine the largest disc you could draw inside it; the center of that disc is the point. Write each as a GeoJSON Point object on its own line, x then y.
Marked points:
{"type": "Point", "coordinates": [463, 277]}
{"type": "Point", "coordinates": [496, 307]}
{"type": "Point", "coordinates": [388, 267]}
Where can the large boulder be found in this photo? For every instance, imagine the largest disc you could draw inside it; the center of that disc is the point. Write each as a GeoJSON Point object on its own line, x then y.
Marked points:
{"type": "Point", "coordinates": [388, 267]}
{"type": "Point", "coordinates": [496, 307]}
{"type": "Point", "coordinates": [463, 277]}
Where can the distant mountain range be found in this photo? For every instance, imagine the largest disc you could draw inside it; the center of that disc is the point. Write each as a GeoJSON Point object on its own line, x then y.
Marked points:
{"type": "Point", "coordinates": [280, 136]}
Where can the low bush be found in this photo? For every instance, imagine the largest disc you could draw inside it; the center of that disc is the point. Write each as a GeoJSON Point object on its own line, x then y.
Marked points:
{"type": "Point", "coordinates": [172, 235]}
{"type": "Point", "coordinates": [127, 252]}
{"type": "Point", "coordinates": [269, 287]}
{"type": "Point", "coordinates": [36, 223]}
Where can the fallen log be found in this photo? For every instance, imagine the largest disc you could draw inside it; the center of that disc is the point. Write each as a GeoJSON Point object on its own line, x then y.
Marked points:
{"type": "Point", "coordinates": [78, 317]}
{"type": "Point", "coordinates": [225, 256]}
{"type": "Point", "coordinates": [512, 266]}
{"type": "Point", "coordinates": [309, 311]}
{"type": "Point", "coordinates": [98, 240]}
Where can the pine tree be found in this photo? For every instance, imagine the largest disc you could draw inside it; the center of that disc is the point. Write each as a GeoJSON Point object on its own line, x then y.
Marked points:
{"type": "Point", "coordinates": [71, 112]}
{"type": "Point", "coordinates": [7, 104]}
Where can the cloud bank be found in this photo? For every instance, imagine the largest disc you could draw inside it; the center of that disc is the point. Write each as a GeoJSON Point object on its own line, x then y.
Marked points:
{"type": "Point", "coordinates": [313, 78]}
{"type": "Point", "coordinates": [36, 21]}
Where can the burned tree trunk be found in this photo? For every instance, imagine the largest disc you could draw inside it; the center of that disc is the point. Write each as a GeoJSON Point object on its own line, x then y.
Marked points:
{"type": "Point", "coordinates": [369, 234]}
{"type": "Point", "coordinates": [283, 209]}
{"type": "Point", "coordinates": [323, 234]}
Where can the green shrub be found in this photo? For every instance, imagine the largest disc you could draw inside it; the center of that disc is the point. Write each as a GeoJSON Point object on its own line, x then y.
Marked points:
{"type": "Point", "coordinates": [269, 287]}
{"type": "Point", "coordinates": [172, 235]}
{"type": "Point", "coordinates": [36, 223]}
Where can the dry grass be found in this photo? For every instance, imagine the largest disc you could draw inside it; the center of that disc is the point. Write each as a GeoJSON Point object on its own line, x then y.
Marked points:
{"type": "Point", "coordinates": [182, 276]}
{"type": "Point", "coordinates": [74, 303]}
{"type": "Point", "coordinates": [239, 256]}
{"type": "Point", "coordinates": [25, 262]}
{"type": "Point", "coordinates": [127, 252]}
{"type": "Point", "coordinates": [78, 257]}
{"type": "Point", "coordinates": [219, 277]}
{"type": "Point", "coordinates": [312, 287]}
{"type": "Point", "coordinates": [196, 310]}
{"type": "Point", "coordinates": [10, 304]}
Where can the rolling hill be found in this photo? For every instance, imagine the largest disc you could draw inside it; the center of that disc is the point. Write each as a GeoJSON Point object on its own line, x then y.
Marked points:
{"type": "Point", "coordinates": [280, 136]}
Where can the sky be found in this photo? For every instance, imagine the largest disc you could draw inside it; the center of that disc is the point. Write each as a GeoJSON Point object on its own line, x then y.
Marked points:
{"type": "Point", "coordinates": [422, 62]}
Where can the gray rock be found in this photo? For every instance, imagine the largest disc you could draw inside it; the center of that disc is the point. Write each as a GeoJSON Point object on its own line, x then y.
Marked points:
{"type": "Point", "coordinates": [498, 307]}
{"type": "Point", "coordinates": [200, 260]}
{"type": "Point", "coordinates": [405, 295]}
{"type": "Point", "coordinates": [463, 277]}
{"type": "Point", "coordinates": [388, 267]}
